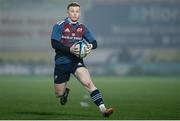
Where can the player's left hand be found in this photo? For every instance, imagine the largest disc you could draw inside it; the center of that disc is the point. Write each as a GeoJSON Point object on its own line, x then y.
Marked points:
{"type": "Point", "coordinates": [88, 49]}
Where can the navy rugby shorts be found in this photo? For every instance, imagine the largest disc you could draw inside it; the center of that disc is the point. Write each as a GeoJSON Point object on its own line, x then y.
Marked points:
{"type": "Point", "coordinates": [62, 72]}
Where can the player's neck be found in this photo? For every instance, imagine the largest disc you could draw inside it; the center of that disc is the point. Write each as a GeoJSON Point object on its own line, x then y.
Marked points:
{"type": "Point", "coordinates": [72, 22]}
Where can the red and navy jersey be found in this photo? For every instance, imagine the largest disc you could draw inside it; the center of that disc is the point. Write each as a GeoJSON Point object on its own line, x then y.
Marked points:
{"type": "Point", "coordinates": [67, 34]}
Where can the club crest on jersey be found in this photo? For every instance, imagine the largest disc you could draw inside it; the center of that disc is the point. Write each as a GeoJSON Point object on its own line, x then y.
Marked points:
{"type": "Point", "coordinates": [67, 30]}
{"type": "Point", "coordinates": [79, 30]}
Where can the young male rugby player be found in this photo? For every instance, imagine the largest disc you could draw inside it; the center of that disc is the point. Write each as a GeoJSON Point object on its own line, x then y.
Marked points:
{"type": "Point", "coordinates": [64, 34]}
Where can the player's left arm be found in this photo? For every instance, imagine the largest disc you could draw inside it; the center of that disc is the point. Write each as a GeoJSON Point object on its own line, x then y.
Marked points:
{"type": "Point", "coordinates": [90, 39]}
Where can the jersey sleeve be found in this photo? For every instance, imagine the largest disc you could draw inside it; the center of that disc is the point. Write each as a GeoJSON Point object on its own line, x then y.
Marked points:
{"type": "Point", "coordinates": [56, 37]}
{"type": "Point", "coordinates": [89, 37]}
{"type": "Point", "coordinates": [56, 32]}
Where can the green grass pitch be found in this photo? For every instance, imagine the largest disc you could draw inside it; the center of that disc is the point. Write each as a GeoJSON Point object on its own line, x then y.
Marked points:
{"type": "Point", "coordinates": [130, 97]}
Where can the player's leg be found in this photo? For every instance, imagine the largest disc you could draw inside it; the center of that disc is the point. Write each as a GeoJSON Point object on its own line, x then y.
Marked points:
{"type": "Point", "coordinates": [62, 91]}
{"type": "Point", "coordinates": [60, 84]}
{"type": "Point", "coordinates": [83, 76]}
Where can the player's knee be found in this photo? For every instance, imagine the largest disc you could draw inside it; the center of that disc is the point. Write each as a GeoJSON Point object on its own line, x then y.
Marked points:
{"type": "Point", "coordinates": [87, 84]}
{"type": "Point", "coordinates": [90, 86]}
{"type": "Point", "coordinates": [59, 93]}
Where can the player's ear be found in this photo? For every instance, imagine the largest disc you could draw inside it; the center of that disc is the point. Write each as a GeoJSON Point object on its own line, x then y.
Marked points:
{"type": "Point", "coordinates": [79, 15]}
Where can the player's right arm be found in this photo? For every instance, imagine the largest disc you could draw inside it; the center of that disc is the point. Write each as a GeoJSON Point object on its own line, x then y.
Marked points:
{"type": "Point", "coordinates": [56, 38]}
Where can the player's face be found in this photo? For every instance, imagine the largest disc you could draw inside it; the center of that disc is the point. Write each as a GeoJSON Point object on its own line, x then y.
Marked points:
{"type": "Point", "coordinates": [74, 13]}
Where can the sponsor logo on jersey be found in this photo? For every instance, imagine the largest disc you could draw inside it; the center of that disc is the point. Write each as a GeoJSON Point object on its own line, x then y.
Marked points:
{"type": "Point", "coordinates": [70, 37]}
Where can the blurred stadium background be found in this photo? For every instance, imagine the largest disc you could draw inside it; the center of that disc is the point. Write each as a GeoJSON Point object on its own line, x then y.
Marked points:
{"type": "Point", "coordinates": [135, 38]}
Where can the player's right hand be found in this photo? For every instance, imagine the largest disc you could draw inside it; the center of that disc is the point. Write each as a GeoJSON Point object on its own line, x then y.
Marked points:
{"type": "Point", "coordinates": [74, 50]}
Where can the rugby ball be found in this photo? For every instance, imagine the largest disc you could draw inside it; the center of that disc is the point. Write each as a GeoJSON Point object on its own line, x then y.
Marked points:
{"type": "Point", "coordinates": [81, 45]}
